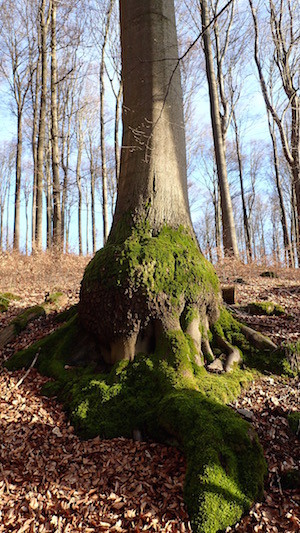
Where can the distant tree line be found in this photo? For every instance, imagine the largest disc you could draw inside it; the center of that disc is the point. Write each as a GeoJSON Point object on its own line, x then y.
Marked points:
{"type": "Point", "coordinates": [61, 81]}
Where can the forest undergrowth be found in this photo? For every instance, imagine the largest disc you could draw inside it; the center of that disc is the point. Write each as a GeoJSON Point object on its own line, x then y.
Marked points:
{"type": "Point", "coordinates": [50, 480]}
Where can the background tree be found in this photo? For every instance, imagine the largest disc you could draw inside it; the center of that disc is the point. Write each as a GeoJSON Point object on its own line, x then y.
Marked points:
{"type": "Point", "coordinates": [219, 126]}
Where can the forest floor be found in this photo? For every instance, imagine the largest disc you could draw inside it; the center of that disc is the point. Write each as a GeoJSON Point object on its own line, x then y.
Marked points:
{"type": "Point", "coordinates": [51, 481]}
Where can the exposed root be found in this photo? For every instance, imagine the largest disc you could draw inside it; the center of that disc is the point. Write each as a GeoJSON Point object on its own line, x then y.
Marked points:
{"type": "Point", "coordinates": [233, 354]}
{"type": "Point", "coordinates": [257, 339]}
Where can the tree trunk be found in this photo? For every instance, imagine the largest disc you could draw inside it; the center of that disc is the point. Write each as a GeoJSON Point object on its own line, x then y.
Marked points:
{"type": "Point", "coordinates": [245, 215]}
{"type": "Point", "coordinates": [42, 129]}
{"type": "Point", "coordinates": [102, 126]}
{"type": "Point", "coordinates": [49, 203]}
{"type": "Point", "coordinates": [79, 186]}
{"type": "Point", "coordinates": [16, 241]}
{"type": "Point", "coordinates": [286, 238]}
{"type": "Point", "coordinates": [152, 203]}
{"type": "Point", "coordinates": [54, 135]}
{"type": "Point", "coordinates": [150, 290]}
{"type": "Point", "coordinates": [34, 99]}
{"type": "Point", "coordinates": [229, 233]}
{"type": "Point", "coordinates": [117, 122]}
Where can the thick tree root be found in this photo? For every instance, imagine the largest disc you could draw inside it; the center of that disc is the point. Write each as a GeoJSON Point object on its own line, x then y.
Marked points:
{"type": "Point", "coordinates": [257, 339]}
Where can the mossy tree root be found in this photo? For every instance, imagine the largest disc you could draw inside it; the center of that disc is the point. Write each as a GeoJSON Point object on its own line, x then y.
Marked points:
{"type": "Point", "coordinates": [168, 398]}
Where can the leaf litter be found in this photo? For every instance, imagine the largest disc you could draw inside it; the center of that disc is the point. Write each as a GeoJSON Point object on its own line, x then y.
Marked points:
{"type": "Point", "coordinates": [51, 481]}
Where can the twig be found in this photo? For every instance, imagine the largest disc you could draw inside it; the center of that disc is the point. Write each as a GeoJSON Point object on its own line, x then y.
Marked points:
{"type": "Point", "coordinates": [279, 482]}
{"type": "Point", "coordinates": [27, 372]}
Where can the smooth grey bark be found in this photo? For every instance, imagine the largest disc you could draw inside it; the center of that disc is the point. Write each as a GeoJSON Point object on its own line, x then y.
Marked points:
{"type": "Point", "coordinates": [16, 241]}
{"type": "Point", "coordinates": [244, 206]}
{"type": "Point", "coordinates": [35, 108]}
{"type": "Point", "coordinates": [92, 188]}
{"type": "Point", "coordinates": [116, 132]}
{"type": "Point", "coordinates": [153, 160]}
{"type": "Point", "coordinates": [78, 181]}
{"type": "Point", "coordinates": [57, 239]}
{"type": "Point", "coordinates": [102, 124]}
{"type": "Point", "coordinates": [44, 23]}
{"type": "Point", "coordinates": [285, 232]}
{"type": "Point", "coordinates": [49, 204]}
{"type": "Point", "coordinates": [228, 225]}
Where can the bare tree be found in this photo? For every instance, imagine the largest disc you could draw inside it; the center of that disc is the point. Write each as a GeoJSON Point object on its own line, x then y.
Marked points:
{"type": "Point", "coordinates": [218, 125]}
{"type": "Point", "coordinates": [54, 134]}
{"type": "Point", "coordinates": [15, 68]}
{"type": "Point", "coordinates": [44, 21]}
{"type": "Point", "coordinates": [285, 41]}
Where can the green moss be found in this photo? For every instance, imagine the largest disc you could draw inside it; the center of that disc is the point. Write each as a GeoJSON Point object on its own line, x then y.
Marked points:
{"type": "Point", "coordinates": [168, 399]}
{"type": "Point", "coordinates": [66, 315]}
{"type": "Point", "coordinates": [11, 296]}
{"type": "Point", "coordinates": [4, 304]}
{"type": "Point", "coordinates": [294, 422]}
{"type": "Point", "coordinates": [6, 298]}
{"type": "Point", "coordinates": [169, 263]}
{"type": "Point", "coordinates": [21, 321]}
{"type": "Point", "coordinates": [55, 351]}
{"type": "Point", "coordinates": [265, 308]}
{"type": "Point", "coordinates": [54, 297]}
{"type": "Point", "coordinates": [263, 360]}
{"type": "Point", "coordinates": [292, 354]}
{"type": "Point", "coordinates": [225, 466]}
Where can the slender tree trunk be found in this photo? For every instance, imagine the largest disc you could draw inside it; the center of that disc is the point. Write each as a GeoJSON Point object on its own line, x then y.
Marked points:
{"type": "Point", "coordinates": [79, 186]}
{"type": "Point", "coordinates": [54, 135]}
{"type": "Point", "coordinates": [27, 226]}
{"type": "Point", "coordinates": [295, 166]}
{"type": "Point", "coordinates": [240, 164]}
{"type": "Point", "coordinates": [42, 128]}
{"type": "Point", "coordinates": [49, 198]}
{"type": "Point", "coordinates": [93, 207]}
{"type": "Point", "coordinates": [117, 124]}
{"type": "Point", "coordinates": [34, 98]}
{"type": "Point", "coordinates": [286, 238]}
{"type": "Point", "coordinates": [87, 222]}
{"type": "Point", "coordinates": [229, 233]}
{"type": "Point", "coordinates": [16, 239]}
{"type": "Point", "coordinates": [102, 126]}
{"type": "Point", "coordinates": [1, 226]}
{"type": "Point", "coordinates": [7, 217]}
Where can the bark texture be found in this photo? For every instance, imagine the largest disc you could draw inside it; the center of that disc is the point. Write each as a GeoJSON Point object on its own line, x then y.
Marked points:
{"type": "Point", "coordinates": [152, 183]}
{"type": "Point", "coordinates": [150, 278]}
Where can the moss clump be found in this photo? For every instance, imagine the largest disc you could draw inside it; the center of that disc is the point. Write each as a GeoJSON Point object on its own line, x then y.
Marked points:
{"type": "Point", "coordinates": [21, 321]}
{"type": "Point", "coordinates": [292, 353]}
{"type": "Point", "coordinates": [66, 315]}
{"type": "Point", "coordinates": [169, 263]}
{"type": "Point", "coordinates": [294, 422]}
{"type": "Point", "coordinates": [6, 298]}
{"type": "Point", "coordinates": [265, 308]}
{"type": "Point", "coordinates": [169, 399]}
{"type": "Point", "coordinates": [55, 352]}
{"type": "Point", "coordinates": [4, 303]}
